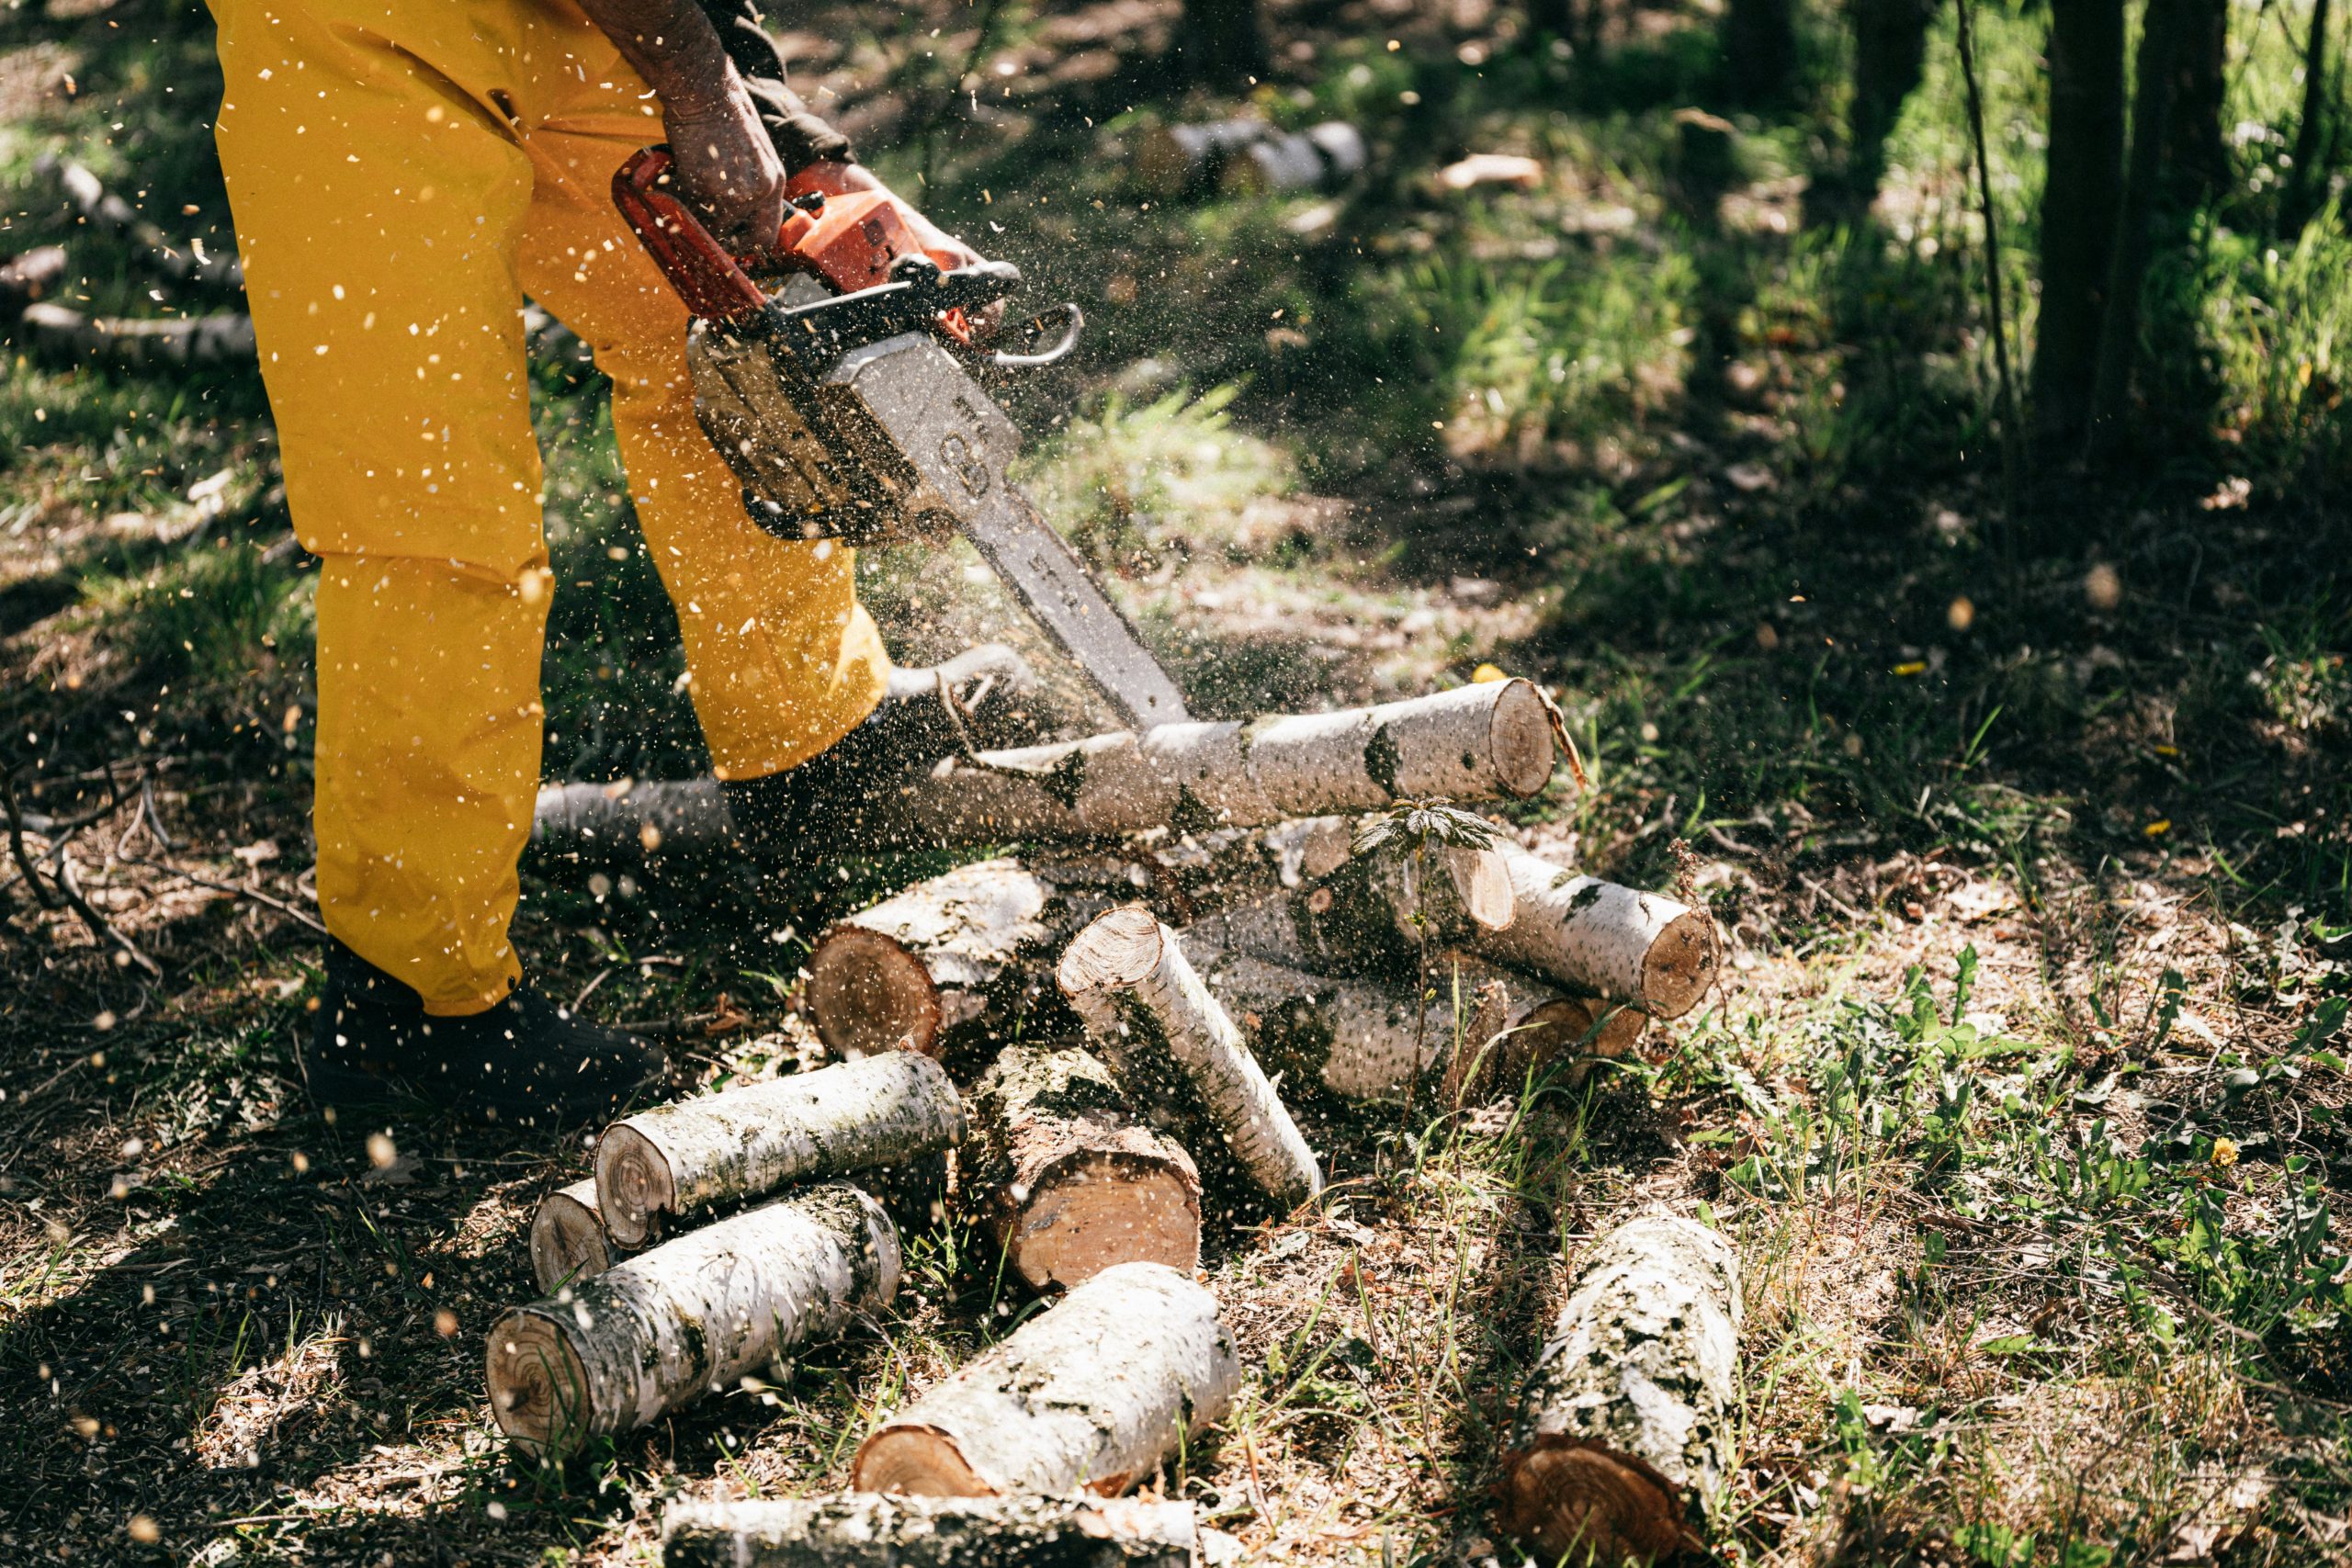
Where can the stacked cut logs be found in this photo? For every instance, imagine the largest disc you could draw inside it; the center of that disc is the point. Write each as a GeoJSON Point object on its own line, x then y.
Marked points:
{"type": "Point", "coordinates": [1207, 937]}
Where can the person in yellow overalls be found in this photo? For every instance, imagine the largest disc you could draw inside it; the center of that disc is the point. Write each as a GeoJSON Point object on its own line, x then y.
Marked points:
{"type": "Point", "coordinates": [403, 174]}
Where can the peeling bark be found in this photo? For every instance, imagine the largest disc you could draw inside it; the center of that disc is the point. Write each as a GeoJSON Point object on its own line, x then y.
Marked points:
{"type": "Point", "coordinates": [567, 1240]}
{"type": "Point", "coordinates": [870, 1530]}
{"type": "Point", "coordinates": [1069, 1178]}
{"type": "Point", "coordinates": [699, 1154]}
{"type": "Point", "coordinates": [1175, 1049]}
{"type": "Point", "coordinates": [693, 1317]}
{"type": "Point", "coordinates": [1597, 936]}
{"type": "Point", "coordinates": [1626, 1428]}
{"type": "Point", "coordinates": [1094, 1393]}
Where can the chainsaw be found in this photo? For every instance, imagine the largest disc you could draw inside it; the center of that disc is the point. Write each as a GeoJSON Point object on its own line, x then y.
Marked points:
{"type": "Point", "coordinates": [845, 403]}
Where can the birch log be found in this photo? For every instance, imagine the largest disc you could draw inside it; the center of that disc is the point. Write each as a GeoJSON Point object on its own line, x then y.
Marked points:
{"type": "Point", "coordinates": [1362, 1039]}
{"type": "Point", "coordinates": [697, 1154]}
{"type": "Point", "coordinates": [1175, 1048]}
{"type": "Point", "coordinates": [1378, 913]}
{"type": "Point", "coordinates": [101, 208]}
{"type": "Point", "coordinates": [136, 342]}
{"type": "Point", "coordinates": [862, 1529]}
{"type": "Point", "coordinates": [568, 1242]}
{"type": "Point", "coordinates": [1091, 1394]}
{"type": "Point", "coordinates": [627, 820]}
{"type": "Point", "coordinates": [1625, 1427]}
{"type": "Point", "coordinates": [1480, 742]}
{"type": "Point", "coordinates": [1597, 936]}
{"type": "Point", "coordinates": [1069, 1178]}
{"type": "Point", "coordinates": [693, 1317]}
{"type": "Point", "coordinates": [952, 961]}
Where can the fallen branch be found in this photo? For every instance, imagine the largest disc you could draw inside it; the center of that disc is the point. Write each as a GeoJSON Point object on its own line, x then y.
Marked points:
{"type": "Point", "coordinates": [567, 1241]}
{"type": "Point", "coordinates": [101, 208]}
{"type": "Point", "coordinates": [134, 343]}
{"type": "Point", "coordinates": [865, 1530]}
{"type": "Point", "coordinates": [1597, 936]}
{"type": "Point", "coordinates": [697, 1154]}
{"type": "Point", "coordinates": [660, 1330]}
{"type": "Point", "coordinates": [1093, 1393]}
{"type": "Point", "coordinates": [1067, 1178]}
{"type": "Point", "coordinates": [1174, 1047]}
{"type": "Point", "coordinates": [1628, 1422]}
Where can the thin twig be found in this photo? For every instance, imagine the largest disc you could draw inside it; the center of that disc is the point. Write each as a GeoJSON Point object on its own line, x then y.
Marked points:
{"type": "Point", "coordinates": [101, 930]}
{"type": "Point", "coordinates": [2009, 429]}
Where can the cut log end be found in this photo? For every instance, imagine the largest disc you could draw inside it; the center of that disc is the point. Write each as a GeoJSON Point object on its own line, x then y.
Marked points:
{"type": "Point", "coordinates": [1519, 742]}
{"type": "Point", "coordinates": [1482, 880]}
{"type": "Point", "coordinates": [635, 1183]}
{"type": "Point", "coordinates": [1098, 1209]}
{"type": "Point", "coordinates": [568, 1238]}
{"type": "Point", "coordinates": [538, 1390]}
{"type": "Point", "coordinates": [1681, 965]}
{"type": "Point", "coordinates": [1580, 1503]}
{"type": "Point", "coordinates": [1117, 952]}
{"type": "Point", "coordinates": [868, 994]}
{"type": "Point", "coordinates": [921, 1461]}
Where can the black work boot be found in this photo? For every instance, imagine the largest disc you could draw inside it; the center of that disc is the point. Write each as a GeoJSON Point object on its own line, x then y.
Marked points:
{"type": "Point", "coordinates": [981, 699]}
{"type": "Point", "coordinates": [524, 1061]}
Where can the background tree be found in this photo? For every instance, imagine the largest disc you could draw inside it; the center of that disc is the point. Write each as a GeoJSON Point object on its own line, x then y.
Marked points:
{"type": "Point", "coordinates": [1759, 40]}
{"type": "Point", "coordinates": [1890, 51]}
{"type": "Point", "coordinates": [2079, 201]}
{"type": "Point", "coordinates": [1221, 43]}
{"type": "Point", "coordinates": [2306, 173]}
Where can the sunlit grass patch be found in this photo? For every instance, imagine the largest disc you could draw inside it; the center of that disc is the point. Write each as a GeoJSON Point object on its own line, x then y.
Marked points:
{"type": "Point", "coordinates": [216, 615]}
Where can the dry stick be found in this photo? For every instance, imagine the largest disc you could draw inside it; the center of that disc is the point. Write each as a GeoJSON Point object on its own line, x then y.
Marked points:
{"type": "Point", "coordinates": [101, 208]}
{"type": "Point", "coordinates": [1174, 1047]}
{"type": "Point", "coordinates": [967, 953]}
{"type": "Point", "coordinates": [871, 1530]}
{"type": "Point", "coordinates": [1093, 1393]}
{"type": "Point", "coordinates": [137, 342]}
{"type": "Point", "coordinates": [567, 1240]}
{"type": "Point", "coordinates": [659, 1331]}
{"type": "Point", "coordinates": [1480, 742]}
{"type": "Point", "coordinates": [697, 1154]}
{"type": "Point", "coordinates": [102, 932]}
{"type": "Point", "coordinates": [1597, 936]}
{"type": "Point", "coordinates": [2010, 431]}
{"type": "Point", "coordinates": [1627, 1423]}
{"type": "Point", "coordinates": [1067, 1178]}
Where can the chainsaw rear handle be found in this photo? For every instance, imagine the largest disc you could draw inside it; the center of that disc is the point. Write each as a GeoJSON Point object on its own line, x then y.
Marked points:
{"type": "Point", "coordinates": [711, 281]}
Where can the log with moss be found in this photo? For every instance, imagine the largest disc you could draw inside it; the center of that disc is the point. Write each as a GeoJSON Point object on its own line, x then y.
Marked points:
{"type": "Point", "coordinates": [1094, 1393]}
{"type": "Point", "coordinates": [863, 1530]}
{"type": "Point", "coordinates": [1627, 1425]}
{"type": "Point", "coordinates": [1176, 1049]}
{"type": "Point", "coordinates": [567, 1241]}
{"type": "Point", "coordinates": [1376, 915]}
{"type": "Point", "coordinates": [1598, 936]}
{"type": "Point", "coordinates": [1067, 1178]}
{"type": "Point", "coordinates": [699, 1154]}
{"type": "Point", "coordinates": [690, 1318]}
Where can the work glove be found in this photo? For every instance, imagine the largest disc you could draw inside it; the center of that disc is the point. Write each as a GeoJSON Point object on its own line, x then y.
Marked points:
{"type": "Point", "coordinates": [729, 167]}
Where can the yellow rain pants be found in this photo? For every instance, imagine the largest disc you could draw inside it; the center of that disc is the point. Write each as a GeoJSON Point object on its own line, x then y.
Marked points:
{"type": "Point", "coordinates": [403, 174]}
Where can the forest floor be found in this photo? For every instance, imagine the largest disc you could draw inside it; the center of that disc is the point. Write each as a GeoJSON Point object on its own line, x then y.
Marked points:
{"type": "Point", "coordinates": [2027, 819]}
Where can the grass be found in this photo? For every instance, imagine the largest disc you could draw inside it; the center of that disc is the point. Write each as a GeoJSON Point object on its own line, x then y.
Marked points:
{"type": "Point", "coordinates": [2026, 828]}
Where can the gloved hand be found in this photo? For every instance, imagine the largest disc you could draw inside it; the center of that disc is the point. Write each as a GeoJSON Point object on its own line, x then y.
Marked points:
{"type": "Point", "coordinates": [729, 167]}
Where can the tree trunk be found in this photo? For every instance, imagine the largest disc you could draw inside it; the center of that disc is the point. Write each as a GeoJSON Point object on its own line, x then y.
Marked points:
{"type": "Point", "coordinates": [1628, 1421]}
{"type": "Point", "coordinates": [137, 343]}
{"type": "Point", "coordinates": [947, 965]}
{"type": "Point", "coordinates": [567, 1241]}
{"type": "Point", "coordinates": [1480, 742]}
{"type": "Point", "coordinates": [1596, 936]}
{"type": "Point", "coordinates": [2305, 177]}
{"type": "Point", "coordinates": [660, 1330]}
{"type": "Point", "coordinates": [2160, 30]}
{"type": "Point", "coordinates": [699, 1154]}
{"type": "Point", "coordinates": [865, 1529]}
{"type": "Point", "coordinates": [1176, 1049]}
{"type": "Point", "coordinates": [2196, 159]}
{"type": "Point", "coordinates": [1378, 913]}
{"type": "Point", "coordinates": [1220, 43]}
{"type": "Point", "coordinates": [1362, 1040]}
{"type": "Point", "coordinates": [2079, 200]}
{"type": "Point", "coordinates": [1761, 51]}
{"type": "Point", "coordinates": [1889, 51]}
{"type": "Point", "coordinates": [1067, 1176]}
{"type": "Point", "coordinates": [1093, 1394]}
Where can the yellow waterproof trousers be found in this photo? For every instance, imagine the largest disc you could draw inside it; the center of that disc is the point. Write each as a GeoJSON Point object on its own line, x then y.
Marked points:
{"type": "Point", "coordinates": [403, 174]}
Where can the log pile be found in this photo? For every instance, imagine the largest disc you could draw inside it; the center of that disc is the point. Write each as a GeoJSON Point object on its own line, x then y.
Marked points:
{"type": "Point", "coordinates": [1212, 934]}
